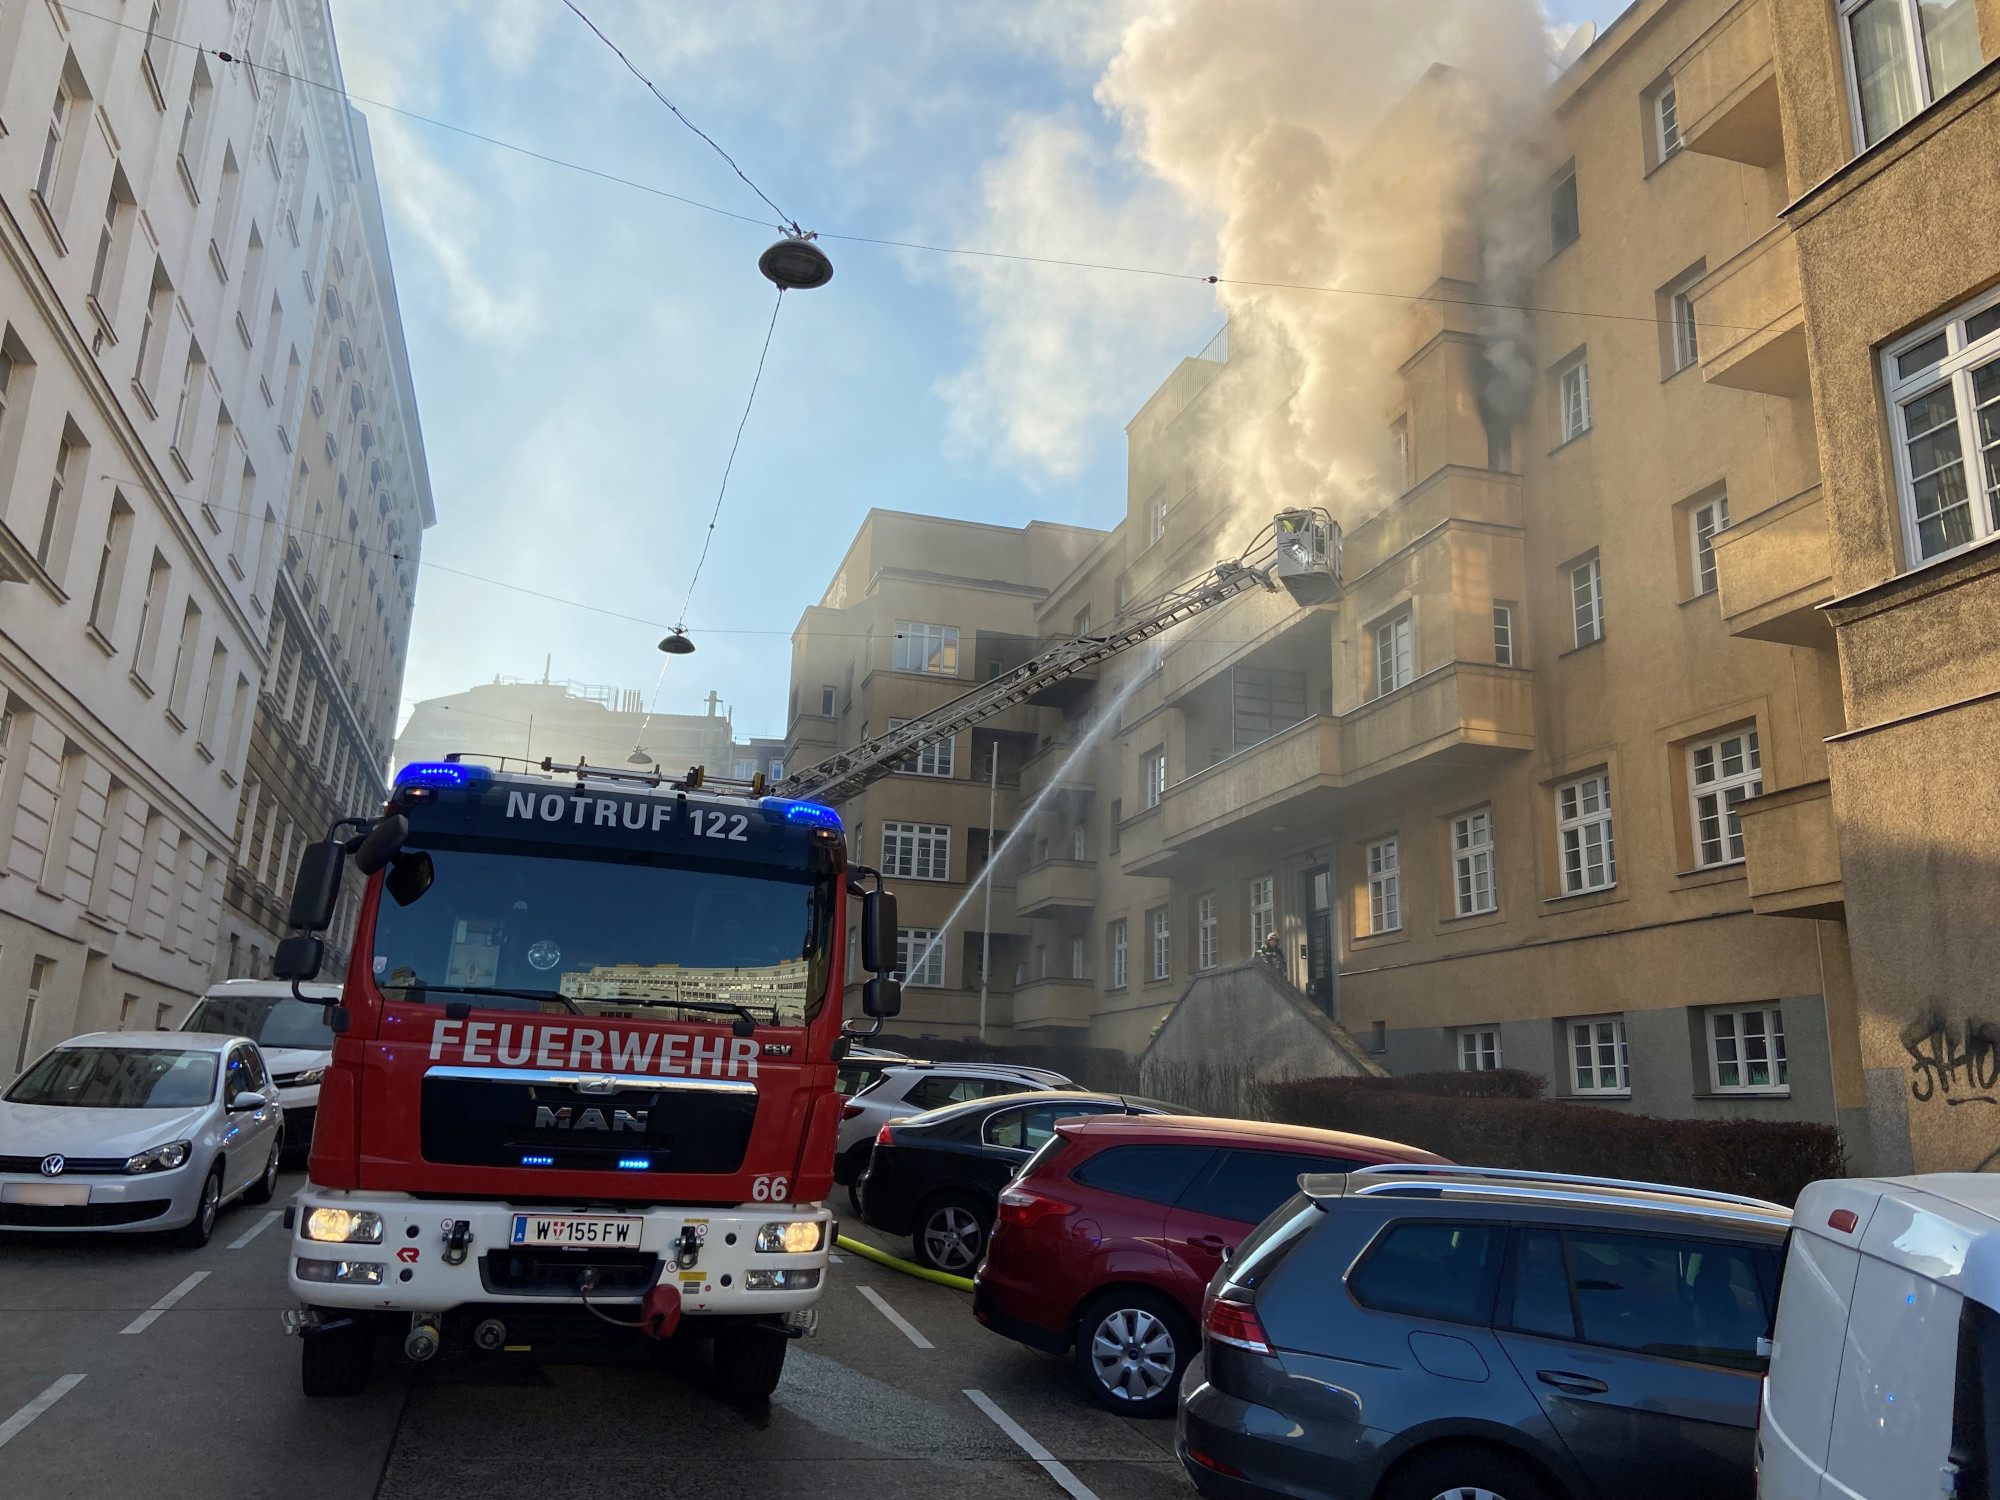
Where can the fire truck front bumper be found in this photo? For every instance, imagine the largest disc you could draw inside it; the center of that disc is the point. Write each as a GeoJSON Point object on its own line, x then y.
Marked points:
{"type": "Point", "coordinates": [390, 1251]}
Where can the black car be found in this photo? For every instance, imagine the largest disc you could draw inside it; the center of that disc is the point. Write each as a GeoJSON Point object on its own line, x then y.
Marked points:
{"type": "Point", "coordinates": [937, 1176]}
{"type": "Point", "coordinates": [1404, 1333]}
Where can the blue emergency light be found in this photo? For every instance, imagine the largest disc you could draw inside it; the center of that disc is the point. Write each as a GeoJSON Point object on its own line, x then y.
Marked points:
{"type": "Point", "coordinates": [538, 1161]}
{"type": "Point", "coordinates": [634, 1163]}
{"type": "Point", "coordinates": [809, 813]}
{"type": "Point", "coordinates": [442, 773]}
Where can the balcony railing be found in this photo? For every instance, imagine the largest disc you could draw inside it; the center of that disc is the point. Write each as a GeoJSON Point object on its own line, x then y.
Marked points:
{"type": "Point", "coordinates": [1791, 847]}
{"type": "Point", "coordinates": [1726, 88]}
{"type": "Point", "coordinates": [1053, 763]}
{"type": "Point", "coordinates": [1056, 885]}
{"type": "Point", "coordinates": [1053, 1002]}
{"type": "Point", "coordinates": [1750, 313]}
{"type": "Point", "coordinates": [1775, 569]}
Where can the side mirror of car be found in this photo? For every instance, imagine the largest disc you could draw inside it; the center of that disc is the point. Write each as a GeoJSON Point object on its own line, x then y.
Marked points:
{"type": "Point", "coordinates": [882, 997]}
{"type": "Point", "coordinates": [245, 1102]}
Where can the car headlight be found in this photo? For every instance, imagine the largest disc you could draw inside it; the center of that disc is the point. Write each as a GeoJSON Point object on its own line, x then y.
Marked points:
{"type": "Point", "coordinates": [793, 1237]}
{"type": "Point", "coordinates": [342, 1226]}
{"type": "Point", "coordinates": [302, 1080]}
{"type": "Point", "coordinates": [160, 1158]}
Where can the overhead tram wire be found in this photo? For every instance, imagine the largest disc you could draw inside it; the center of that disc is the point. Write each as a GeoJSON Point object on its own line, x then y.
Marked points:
{"type": "Point", "coordinates": [968, 251]}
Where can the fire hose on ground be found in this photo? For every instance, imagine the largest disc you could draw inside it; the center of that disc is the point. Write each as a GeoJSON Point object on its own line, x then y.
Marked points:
{"type": "Point", "coordinates": [897, 1263]}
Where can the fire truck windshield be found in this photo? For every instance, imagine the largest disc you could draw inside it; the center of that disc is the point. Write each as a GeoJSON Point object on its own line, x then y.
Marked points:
{"type": "Point", "coordinates": [608, 934]}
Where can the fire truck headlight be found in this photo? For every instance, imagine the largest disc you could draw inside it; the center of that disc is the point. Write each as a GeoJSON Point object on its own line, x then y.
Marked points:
{"type": "Point", "coordinates": [340, 1226]}
{"type": "Point", "coordinates": [796, 1237]}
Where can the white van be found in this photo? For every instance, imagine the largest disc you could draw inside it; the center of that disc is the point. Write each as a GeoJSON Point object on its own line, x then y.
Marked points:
{"type": "Point", "coordinates": [1884, 1381]}
{"type": "Point", "coordinates": [295, 1038]}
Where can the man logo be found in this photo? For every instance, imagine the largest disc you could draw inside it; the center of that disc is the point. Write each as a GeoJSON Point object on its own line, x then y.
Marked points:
{"type": "Point", "coordinates": [591, 1119]}
{"type": "Point", "coordinates": [52, 1166]}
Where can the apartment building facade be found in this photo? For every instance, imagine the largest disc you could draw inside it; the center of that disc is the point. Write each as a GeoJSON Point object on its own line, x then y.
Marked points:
{"type": "Point", "coordinates": [920, 609]}
{"type": "Point", "coordinates": [568, 721]}
{"type": "Point", "coordinates": [165, 221]}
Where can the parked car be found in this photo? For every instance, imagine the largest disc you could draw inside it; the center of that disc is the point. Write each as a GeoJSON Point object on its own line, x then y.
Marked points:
{"type": "Point", "coordinates": [1404, 1333]}
{"type": "Point", "coordinates": [1885, 1366]}
{"type": "Point", "coordinates": [937, 1176]}
{"type": "Point", "coordinates": [295, 1036]}
{"type": "Point", "coordinates": [138, 1131]}
{"type": "Point", "coordinates": [911, 1088]}
{"type": "Point", "coordinates": [862, 1066]}
{"type": "Point", "coordinates": [1104, 1243]}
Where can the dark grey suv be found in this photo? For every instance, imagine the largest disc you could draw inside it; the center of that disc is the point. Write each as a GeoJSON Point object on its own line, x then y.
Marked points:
{"type": "Point", "coordinates": [1463, 1333]}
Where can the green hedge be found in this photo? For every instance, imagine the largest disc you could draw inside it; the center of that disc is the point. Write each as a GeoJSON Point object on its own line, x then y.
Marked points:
{"type": "Point", "coordinates": [1764, 1158]}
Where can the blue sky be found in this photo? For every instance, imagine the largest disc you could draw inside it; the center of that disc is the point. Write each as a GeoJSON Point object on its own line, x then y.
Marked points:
{"type": "Point", "coordinates": [582, 349]}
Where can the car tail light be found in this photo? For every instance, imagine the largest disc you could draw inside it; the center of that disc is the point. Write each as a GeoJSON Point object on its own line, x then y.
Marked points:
{"type": "Point", "coordinates": [1235, 1324]}
{"type": "Point", "coordinates": [1843, 1219]}
{"type": "Point", "coordinates": [1209, 1461]}
{"type": "Point", "coordinates": [849, 1111]}
{"type": "Point", "coordinates": [883, 1138]}
{"type": "Point", "coordinates": [1020, 1207]}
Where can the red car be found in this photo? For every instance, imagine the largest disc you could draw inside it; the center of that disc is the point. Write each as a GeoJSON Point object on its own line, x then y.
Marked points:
{"type": "Point", "coordinates": [1107, 1239]}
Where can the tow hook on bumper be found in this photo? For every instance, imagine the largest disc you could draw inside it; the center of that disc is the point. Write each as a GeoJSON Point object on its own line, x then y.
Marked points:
{"type": "Point", "coordinates": [457, 1236]}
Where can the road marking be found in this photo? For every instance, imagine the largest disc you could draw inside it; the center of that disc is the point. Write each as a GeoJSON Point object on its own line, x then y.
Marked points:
{"type": "Point", "coordinates": [1025, 1441]}
{"type": "Point", "coordinates": [838, 1260]}
{"type": "Point", "coordinates": [881, 1306]}
{"type": "Point", "coordinates": [11, 1428]}
{"type": "Point", "coordinates": [146, 1319]}
{"type": "Point", "coordinates": [254, 1230]}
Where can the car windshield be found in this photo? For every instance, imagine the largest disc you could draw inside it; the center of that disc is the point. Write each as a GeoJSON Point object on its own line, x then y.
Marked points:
{"type": "Point", "coordinates": [272, 1020]}
{"type": "Point", "coordinates": [607, 934]}
{"type": "Point", "coordinates": [118, 1078]}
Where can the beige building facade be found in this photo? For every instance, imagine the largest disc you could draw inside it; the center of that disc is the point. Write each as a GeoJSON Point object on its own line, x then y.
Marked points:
{"type": "Point", "coordinates": [1643, 749]}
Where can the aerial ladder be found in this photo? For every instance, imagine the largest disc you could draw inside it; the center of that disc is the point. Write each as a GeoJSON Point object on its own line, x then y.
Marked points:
{"type": "Point", "coordinates": [1298, 552]}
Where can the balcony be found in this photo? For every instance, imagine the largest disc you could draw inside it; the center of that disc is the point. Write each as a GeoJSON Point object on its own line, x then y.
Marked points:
{"type": "Point", "coordinates": [1140, 848]}
{"type": "Point", "coordinates": [1775, 569]}
{"type": "Point", "coordinates": [1056, 886]}
{"type": "Point", "coordinates": [1751, 315]}
{"type": "Point", "coordinates": [1791, 845]}
{"type": "Point", "coordinates": [1726, 89]}
{"type": "Point", "coordinates": [1054, 1003]}
{"type": "Point", "coordinates": [1052, 765]}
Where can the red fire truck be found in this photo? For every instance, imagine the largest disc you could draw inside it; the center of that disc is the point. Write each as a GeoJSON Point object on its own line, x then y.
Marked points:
{"type": "Point", "coordinates": [584, 1064]}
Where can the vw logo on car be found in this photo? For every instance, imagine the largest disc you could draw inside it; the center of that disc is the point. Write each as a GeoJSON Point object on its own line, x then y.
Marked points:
{"type": "Point", "coordinates": [52, 1165]}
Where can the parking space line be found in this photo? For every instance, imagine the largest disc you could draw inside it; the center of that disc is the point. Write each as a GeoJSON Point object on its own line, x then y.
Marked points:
{"type": "Point", "coordinates": [254, 1230]}
{"type": "Point", "coordinates": [146, 1319]}
{"type": "Point", "coordinates": [1054, 1467]}
{"type": "Point", "coordinates": [11, 1428]}
{"type": "Point", "coordinates": [882, 1306]}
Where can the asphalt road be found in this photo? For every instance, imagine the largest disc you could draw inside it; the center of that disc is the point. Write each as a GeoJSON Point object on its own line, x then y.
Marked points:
{"type": "Point", "coordinates": [102, 1395]}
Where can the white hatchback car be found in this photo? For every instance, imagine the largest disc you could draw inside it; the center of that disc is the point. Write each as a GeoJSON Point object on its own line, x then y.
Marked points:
{"type": "Point", "coordinates": [294, 1036]}
{"type": "Point", "coordinates": [911, 1088]}
{"type": "Point", "coordinates": [137, 1131]}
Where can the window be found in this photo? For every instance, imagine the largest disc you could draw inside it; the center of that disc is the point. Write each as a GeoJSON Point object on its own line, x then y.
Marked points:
{"type": "Point", "coordinates": [38, 980]}
{"type": "Point", "coordinates": [1666, 123]}
{"type": "Point", "coordinates": [1156, 1174]}
{"type": "Point", "coordinates": [826, 702]}
{"type": "Point", "coordinates": [111, 567]}
{"type": "Point", "coordinates": [1565, 224]}
{"type": "Point", "coordinates": [60, 115]}
{"type": "Point", "coordinates": [777, 768]}
{"type": "Point", "coordinates": [920, 957]}
{"type": "Point", "coordinates": [1746, 1050]}
{"type": "Point", "coordinates": [1573, 397]}
{"type": "Point", "coordinates": [1903, 55]}
{"type": "Point", "coordinates": [926, 648]}
{"type": "Point", "coordinates": [1721, 773]}
{"type": "Point", "coordinates": [1472, 862]}
{"type": "Point", "coordinates": [153, 334]}
{"type": "Point", "coordinates": [187, 414]}
{"type": "Point", "coordinates": [1111, 827]}
{"type": "Point", "coordinates": [743, 770]}
{"type": "Point", "coordinates": [1385, 887]}
{"type": "Point", "coordinates": [1264, 701]}
{"type": "Point", "coordinates": [1430, 1270]}
{"type": "Point", "coordinates": [1503, 634]}
{"type": "Point", "coordinates": [1154, 769]}
{"type": "Point", "coordinates": [1263, 911]}
{"type": "Point", "coordinates": [107, 270]}
{"type": "Point", "coordinates": [1248, 1186]}
{"type": "Point", "coordinates": [1156, 515]}
{"type": "Point", "coordinates": [182, 679]}
{"type": "Point", "coordinates": [932, 760]}
{"type": "Point", "coordinates": [146, 644]}
{"type": "Point", "coordinates": [1687, 337]}
{"type": "Point", "coordinates": [1033, 1126]}
{"type": "Point", "coordinates": [1597, 1056]}
{"type": "Point", "coordinates": [1944, 384]}
{"type": "Point", "coordinates": [1395, 653]}
{"type": "Point", "coordinates": [1115, 938]}
{"type": "Point", "coordinates": [1694, 1300]}
{"type": "Point", "coordinates": [1399, 448]}
{"type": "Point", "coordinates": [1157, 925]}
{"type": "Point", "coordinates": [1704, 521]}
{"type": "Point", "coordinates": [161, 23]}
{"type": "Point", "coordinates": [194, 123]}
{"type": "Point", "coordinates": [1586, 598]}
{"type": "Point", "coordinates": [916, 851]}
{"type": "Point", "coordinates": [1081, 624]}
{"type": "Point", "coordinates": [1205, 933]}
{"type": "Point", "coordinates": [1479, 1049]}
{"type": "Point", "coordinates": [1076, 958]}
{"type": "Point", "coordinates": [1583, 825]}
{"type": "Point", "coordinates": [63, 484]}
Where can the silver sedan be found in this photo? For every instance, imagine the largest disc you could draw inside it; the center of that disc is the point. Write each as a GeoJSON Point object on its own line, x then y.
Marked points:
{"type": "Point", "coordinates": [138, 1131]}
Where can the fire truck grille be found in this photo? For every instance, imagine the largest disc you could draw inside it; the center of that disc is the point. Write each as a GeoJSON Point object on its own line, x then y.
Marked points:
{"type": "Point", "coordinates": [509, 1122]}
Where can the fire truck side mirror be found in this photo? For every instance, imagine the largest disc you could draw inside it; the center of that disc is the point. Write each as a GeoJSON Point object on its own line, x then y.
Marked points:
{"type": "Point", "coordinates": [381, 843]}
{"type": "Point", "coordinates": [317, 886]}
{"type": "Point", "coordinates": [882, 997]}
{"type": "Point", "coordinates": [878, 933]}
{"type": "Point", "coordinates": [299, 957]}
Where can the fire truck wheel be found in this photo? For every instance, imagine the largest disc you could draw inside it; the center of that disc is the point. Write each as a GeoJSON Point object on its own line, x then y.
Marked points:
{"type": "Point", "coordinates": [336, 1361]}
{"type": "Point", "coordinates": [748, 1361]}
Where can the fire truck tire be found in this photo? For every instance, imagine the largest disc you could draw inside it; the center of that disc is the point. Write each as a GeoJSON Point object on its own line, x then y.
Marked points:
{"type": "Point", "coordinates": [749, 1361]}
{"type": "Point", "coordinates": [336, 1361]}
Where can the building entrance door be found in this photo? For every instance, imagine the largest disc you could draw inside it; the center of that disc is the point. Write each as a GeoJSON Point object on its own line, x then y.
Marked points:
{"type": "Point", "coordinates": [1318, 906]}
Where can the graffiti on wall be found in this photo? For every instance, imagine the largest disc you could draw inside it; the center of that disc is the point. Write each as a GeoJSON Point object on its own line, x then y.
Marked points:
{"type": "Point", "coordinates": [1955, 1063]}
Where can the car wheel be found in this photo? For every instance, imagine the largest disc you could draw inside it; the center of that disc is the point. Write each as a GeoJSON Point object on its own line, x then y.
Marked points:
{"type": "Point", "coordinates": [196, 1232]}
{"type": "Point", "coordinates": [951, 1235]}
{"type": "Point", "coordinates": [1132, 1347]}
{"type": "Point", "coordinates": [1468, 1473]}
{"type": "Point", "coordinates": [749, 1361]}
{"type": "Point", "coordinates": [261, 1190]}
{"type": "Point", "coordinates": [336, 1361]}
{"type": "Point", "coordinates": [854, 1197]}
